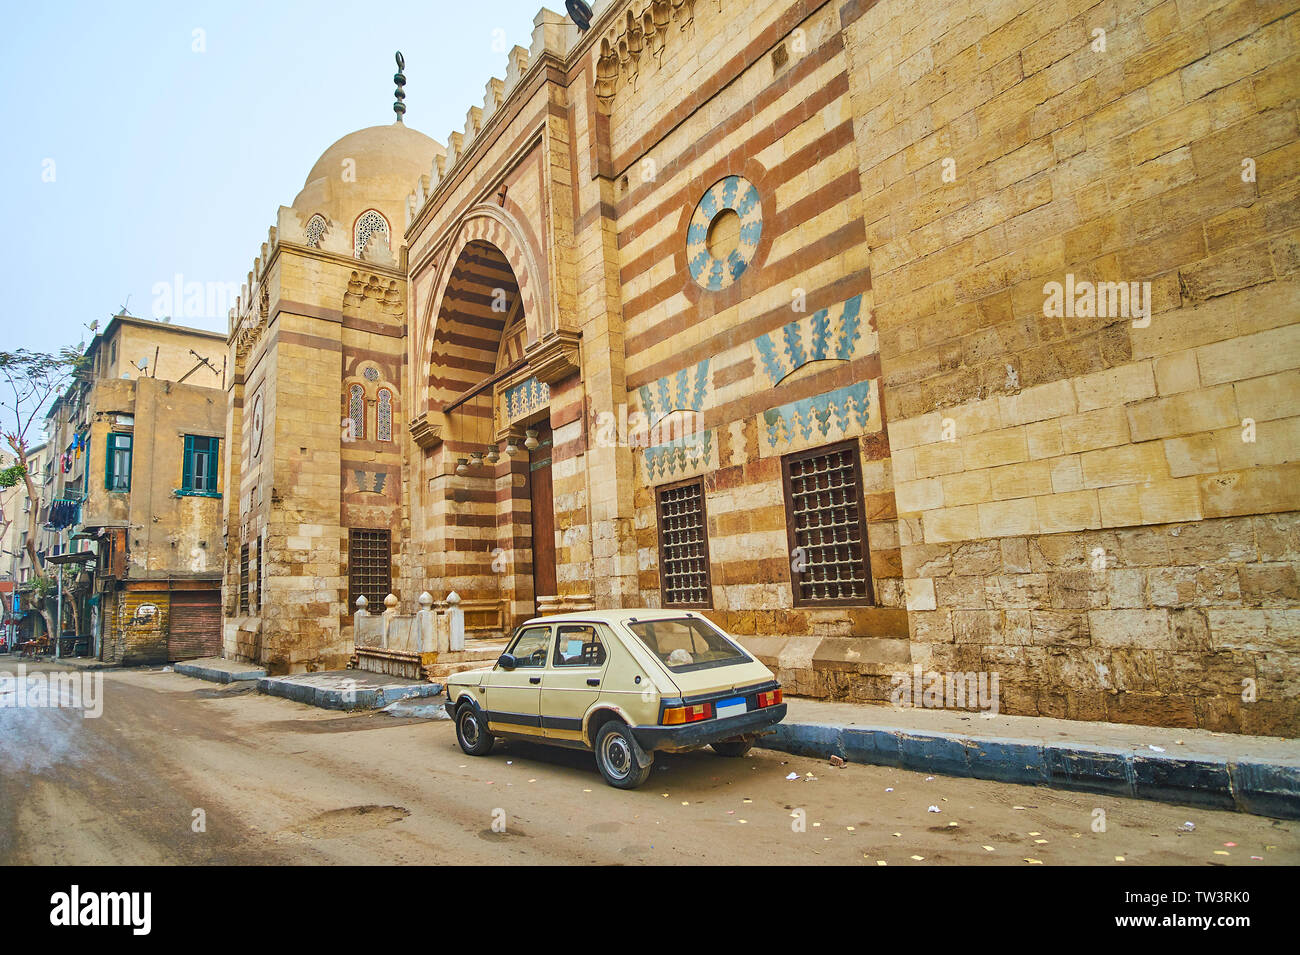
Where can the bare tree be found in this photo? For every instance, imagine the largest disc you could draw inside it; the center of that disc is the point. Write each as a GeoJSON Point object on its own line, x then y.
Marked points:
{"type": "Point", "coordinates": [28, 382]}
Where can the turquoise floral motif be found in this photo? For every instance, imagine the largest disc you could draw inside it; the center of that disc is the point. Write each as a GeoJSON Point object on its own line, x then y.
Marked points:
{"type": "Point", "coordinates": [833, 332]}
{"type": "Point", "coordinates": [739, 195]}
{"type": "Point", "coordinates": [676, 392]}
{"type": "Point", "coordinates": [844, 410]}
{"type": "Point", "coordinates": [678, 457]}
{"type": "Point", "coordinates": [525, 398]}
{"type": "Point", "coordinates": [370, 481]}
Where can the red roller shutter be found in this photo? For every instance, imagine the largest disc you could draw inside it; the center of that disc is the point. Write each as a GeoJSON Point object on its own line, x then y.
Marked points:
{"type": "Point", "coordinates": [195, 629]}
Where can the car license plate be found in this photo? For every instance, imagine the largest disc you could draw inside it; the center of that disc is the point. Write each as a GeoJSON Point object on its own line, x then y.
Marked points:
{"type": "Point", "coordinates": [732, 707]}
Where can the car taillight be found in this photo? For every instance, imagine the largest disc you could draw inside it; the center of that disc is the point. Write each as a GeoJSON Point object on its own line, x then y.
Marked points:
{"type": "Point", "coordinates": [675, 715]}
{"type": "Point", "coordinates": [769, 698]}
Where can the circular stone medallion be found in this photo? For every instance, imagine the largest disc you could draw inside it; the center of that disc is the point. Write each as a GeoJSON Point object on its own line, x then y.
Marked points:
{"type": "Point", "coordinates": [722, 238]}
{"type": "Point", "coordinates": [257, 426]}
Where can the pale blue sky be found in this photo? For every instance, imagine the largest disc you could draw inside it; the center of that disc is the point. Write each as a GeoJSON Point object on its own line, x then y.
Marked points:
{"type": "Point", "coordinates": [168, 160]}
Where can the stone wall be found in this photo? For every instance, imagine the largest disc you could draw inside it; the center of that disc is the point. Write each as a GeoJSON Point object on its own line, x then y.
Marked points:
{"type": "Point", "coordinates": [1081, 489]}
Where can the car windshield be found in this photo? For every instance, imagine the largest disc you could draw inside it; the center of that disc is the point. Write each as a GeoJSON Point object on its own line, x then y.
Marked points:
{"type": "Point", "coordinates": [687, 643]}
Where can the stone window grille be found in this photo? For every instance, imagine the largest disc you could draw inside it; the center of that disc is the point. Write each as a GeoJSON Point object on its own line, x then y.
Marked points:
{"type": "Point", "coordinates": [684, 545]}
{"type": "Point", "coordinates": [370, 224]}
{"type": "Point", "coordinates": [384, 416]}
{"type": "Point", "coordinates": [826, 528]}
{"type": "Point", "coordinates": [357, 412]}
{"type": "Point", "coordinates": [316, 226]}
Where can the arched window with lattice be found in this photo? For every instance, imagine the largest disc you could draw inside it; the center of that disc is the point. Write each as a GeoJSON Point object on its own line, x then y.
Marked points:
{"type": "Point", "coordinates": [357, 413]}
{"type": "Point", "coordinates": [384, 416]}
{"type": "Point", "coordinates": [370, 225]}
{"type": "Point", "coordinates": [315, 230]}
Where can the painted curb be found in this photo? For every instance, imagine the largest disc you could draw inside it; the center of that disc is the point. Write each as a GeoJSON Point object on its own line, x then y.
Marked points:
{"type": "Point", "coordinates": [213, 675]}
{"type": "Point", "coordinates": [1244, 785]}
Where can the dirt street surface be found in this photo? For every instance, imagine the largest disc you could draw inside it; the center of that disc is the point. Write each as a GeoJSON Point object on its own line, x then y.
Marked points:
{"type": "Point", "coordinates": [280, 782]}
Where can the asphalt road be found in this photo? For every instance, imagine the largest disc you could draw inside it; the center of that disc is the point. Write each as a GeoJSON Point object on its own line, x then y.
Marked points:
{"type": "Point", "coordinates": [283, 783]}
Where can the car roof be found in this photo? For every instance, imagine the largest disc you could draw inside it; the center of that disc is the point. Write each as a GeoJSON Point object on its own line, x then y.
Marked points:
{"type": "Point", "coordinates": [612, 616]}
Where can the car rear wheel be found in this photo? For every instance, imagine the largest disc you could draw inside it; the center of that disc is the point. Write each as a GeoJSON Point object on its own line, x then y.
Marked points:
{"type": "Point", "coordinates": [616, 757]}
{"type": "Point", "coordinates": [733, 747]}
{"type": "Point", "coordinates": [472, 733]}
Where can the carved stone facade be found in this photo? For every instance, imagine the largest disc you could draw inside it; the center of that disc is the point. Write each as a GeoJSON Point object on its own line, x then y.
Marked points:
{"type": "Point", "coordinates": [785, 269]}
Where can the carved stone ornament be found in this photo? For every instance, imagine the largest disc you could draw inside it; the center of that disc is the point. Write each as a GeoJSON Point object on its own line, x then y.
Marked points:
{"type": "Point", "coordinates": [555, 356]}
{"type": "Point", "coordinates": [426, 430]}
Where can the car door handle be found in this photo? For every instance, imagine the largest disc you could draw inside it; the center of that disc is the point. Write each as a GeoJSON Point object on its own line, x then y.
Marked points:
{"type": "Point", "coordinates": [534, 679]}
{"type": "Point", "coordinates": [593, 682]}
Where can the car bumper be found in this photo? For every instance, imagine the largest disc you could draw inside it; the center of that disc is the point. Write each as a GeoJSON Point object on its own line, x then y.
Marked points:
{"type": "Point", "coordinates": [450, 707]}
{"type": "Point", "coordinates": [691, 735]}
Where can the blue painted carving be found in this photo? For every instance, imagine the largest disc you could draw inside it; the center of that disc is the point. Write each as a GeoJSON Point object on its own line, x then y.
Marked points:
{"type": "Point", "coordinates": [675, 393]}
{"type": "Point", "coordinates": [678, 457]}
{"type": "Point", "coordinates": [832, 333]}
{"type": "Point", "coordinates": [740, 196]}
{"type": "Point", "coordinates": [844, 409]}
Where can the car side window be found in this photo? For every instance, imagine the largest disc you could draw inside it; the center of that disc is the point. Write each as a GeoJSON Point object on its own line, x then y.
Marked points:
{"type": "Point", "coordinates": [579, 645]}
{"type": "Point", "coordinates": [531, 646]}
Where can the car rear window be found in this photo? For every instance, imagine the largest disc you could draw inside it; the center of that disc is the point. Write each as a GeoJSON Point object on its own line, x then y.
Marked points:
{"type": "Point", "coordinates": [687, 643]}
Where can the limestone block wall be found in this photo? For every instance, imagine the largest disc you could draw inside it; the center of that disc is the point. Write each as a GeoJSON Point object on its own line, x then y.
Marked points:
{"type": "Point", "coordinates": [1098, 498]}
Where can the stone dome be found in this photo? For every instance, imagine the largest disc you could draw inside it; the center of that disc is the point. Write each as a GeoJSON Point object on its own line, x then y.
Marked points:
{"type": "Point", "coordinates": [373, 168]}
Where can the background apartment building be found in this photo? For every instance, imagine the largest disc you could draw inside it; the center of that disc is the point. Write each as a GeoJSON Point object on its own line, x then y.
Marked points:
{"type": "Point", "coordinates": [133, 488]}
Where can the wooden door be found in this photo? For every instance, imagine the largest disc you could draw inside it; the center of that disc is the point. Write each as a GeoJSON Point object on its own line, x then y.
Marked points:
{"type": "Point", "coordinates": [543, 505]}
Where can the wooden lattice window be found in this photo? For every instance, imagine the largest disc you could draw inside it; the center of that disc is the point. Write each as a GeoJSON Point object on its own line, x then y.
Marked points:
{"type": "Point", "coordinates": [370, 568]}
{"type": "Point", "coordinates": [826, 528]}
{"type": "Point", "coordinates": [243, 579]}
{"type": "Point", "coordinates": [683, 545]}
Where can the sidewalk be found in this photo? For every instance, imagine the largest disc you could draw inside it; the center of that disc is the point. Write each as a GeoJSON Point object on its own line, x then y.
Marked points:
{"type": "Point", "coordinates": [1254, 774]}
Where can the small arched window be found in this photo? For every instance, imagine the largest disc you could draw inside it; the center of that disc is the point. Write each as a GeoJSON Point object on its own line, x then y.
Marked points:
{"type": "Point", "coordinates": [315, 230]}
{"type": "Point", "coordinates": [384, 416]}
{"type": "Point", "coordinates": [370, 224]}
{"type": "Point", "coordinates": [357, 413]}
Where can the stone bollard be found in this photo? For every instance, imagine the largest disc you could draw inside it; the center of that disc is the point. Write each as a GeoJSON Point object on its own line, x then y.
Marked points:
{"type": "Point", "coordinates": [456, 617]}
{"type": "Point", "coordinates": [424, 639]}
{"type": "Point", "coordinates": [361, 614]}
{"type": "Point", "coordinates": [390, 611]}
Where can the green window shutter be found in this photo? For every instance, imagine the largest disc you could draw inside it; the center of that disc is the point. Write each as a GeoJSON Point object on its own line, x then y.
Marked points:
{"type": "Point", "coordinates": [187, 479]}
{"type": "Point", "coordinates": [110, 445]}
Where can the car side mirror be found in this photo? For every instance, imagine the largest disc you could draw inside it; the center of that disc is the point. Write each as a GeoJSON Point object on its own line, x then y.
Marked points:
{"type": "Point", "coordinates": [506, 662]}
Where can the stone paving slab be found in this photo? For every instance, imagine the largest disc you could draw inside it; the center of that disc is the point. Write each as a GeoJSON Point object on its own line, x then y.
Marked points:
{"type": "Point", "coordinates": [219, 670]}
{"type": "Point", "coordinates": [1255, 774]}
{"type": "Point", "coordinates": [347, 689]}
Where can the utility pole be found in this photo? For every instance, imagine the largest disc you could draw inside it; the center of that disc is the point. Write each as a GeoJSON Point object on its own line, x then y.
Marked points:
{"type": "Point", "coordinates": [58, 608]}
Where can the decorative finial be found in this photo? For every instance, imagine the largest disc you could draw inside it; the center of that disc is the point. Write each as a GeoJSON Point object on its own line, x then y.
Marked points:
{"type": "Point", "coordinates": [399, 107]}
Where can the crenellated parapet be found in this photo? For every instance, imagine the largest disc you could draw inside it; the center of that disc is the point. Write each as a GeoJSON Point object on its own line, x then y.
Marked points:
{"type": "Point", "coordinates": [554, 36]}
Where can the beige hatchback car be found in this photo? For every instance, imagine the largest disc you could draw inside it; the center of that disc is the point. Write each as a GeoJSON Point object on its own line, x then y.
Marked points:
{"type": "Point", "coordinates": [623, 683]}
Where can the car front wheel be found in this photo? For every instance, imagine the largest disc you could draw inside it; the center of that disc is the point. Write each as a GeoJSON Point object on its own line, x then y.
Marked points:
{"type": "Point", "coordinates": [472, 732]}
{"type": "Point", "coordinates": [732, 747]}
{"type": "Point", "coordinates": [616, 757]}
